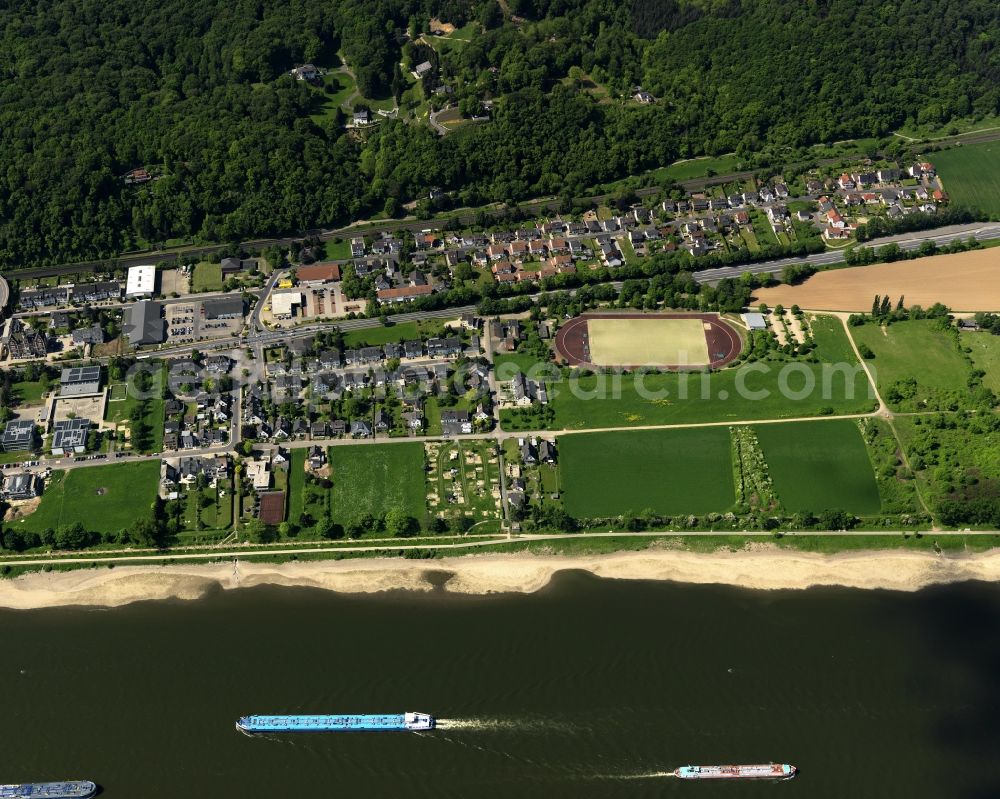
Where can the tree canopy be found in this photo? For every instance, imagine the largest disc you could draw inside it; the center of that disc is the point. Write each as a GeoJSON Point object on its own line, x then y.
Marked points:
{"type": "Point", "coordinates": [199, 94]}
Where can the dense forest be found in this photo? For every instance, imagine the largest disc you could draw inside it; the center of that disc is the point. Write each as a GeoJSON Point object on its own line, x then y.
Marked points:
{"type": "Point", "coordinates": [198, 92]}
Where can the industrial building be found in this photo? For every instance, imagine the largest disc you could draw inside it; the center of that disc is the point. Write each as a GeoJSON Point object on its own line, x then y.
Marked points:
{"type": "Point", "coordinates": [285, 303]}
{"type": "Point", "coordinates": [80, 381]}
{"type": "Point", "coordinates": [223, 308]}
{"type": "Point", "coordinates": [141, 282]}
{"type": "Point", "coordinates": [145, 324]}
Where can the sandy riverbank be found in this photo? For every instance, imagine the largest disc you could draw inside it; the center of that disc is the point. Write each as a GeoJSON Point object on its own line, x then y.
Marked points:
{"type": "Point", "coordinates": [524, 573]}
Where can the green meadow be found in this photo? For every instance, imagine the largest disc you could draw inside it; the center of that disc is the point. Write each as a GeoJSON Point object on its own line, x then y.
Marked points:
{"type": "Point", "coordinates": [376, 478]}
{"type": "Point", "coordinates": [103, 498]}
{"type": "Point", "coordinates": [665, 471]}
{"type": "Point", "coordinates": [820, 465]}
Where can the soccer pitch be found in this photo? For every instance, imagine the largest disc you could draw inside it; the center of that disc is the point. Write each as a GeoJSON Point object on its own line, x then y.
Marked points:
{"type": "Point", "coordinates": [647, 341]}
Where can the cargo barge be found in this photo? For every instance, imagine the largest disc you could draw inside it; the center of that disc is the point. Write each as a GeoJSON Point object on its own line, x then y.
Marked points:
{"type": "Point", "coordinates": [384, 722]}
{"type": "Point", "coordinates": [67, 789]}
{"type": "Point", "coordinates": [765, 771]}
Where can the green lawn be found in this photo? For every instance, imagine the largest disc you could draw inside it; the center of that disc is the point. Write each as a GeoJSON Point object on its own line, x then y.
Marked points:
{"type": "Point", "coordinates": [375, 478]}
{"type": "Point", "coordinates": [952, 127]}
{"type": "Point", "coordinates": [986, 356]}
{"type": "Point", "coordinates": [753, 391]}
{"type": "Point", "coordinates": [666, 471]}
{"type": "Point", "coordinates": [921, 350]}
{"type": "Point", "coordinates": [296, 483]}
{"type": "Point", "coordinates": [628, 251]}
{"type": "Point", "coordinates": [206, 277]}
{"type": "Point", "coordinates": [30, 393]}
{"type": "Point", "coordinates": [701, 167]}
{"type": "Point", "coordinates": [832, 345]}
{"type": "Point", "coordinates": [507, 365]}
{"type": "Point", "coordinates": [103, 498]}
{"type": "Point", "coordinates": [761, 390]}
{"type": "Point", "coordinates": [971, 175]}
{"type": "Point", "coordinates": [118, 411]}
{"type": "Point", "coordinates": [374, 336]}
{"type": "Point", "coordinates": [820, 465]}
{"type": "Point", "coordinates": [750, 240]}
{"type": "Point", "coordinates": [337, 250]}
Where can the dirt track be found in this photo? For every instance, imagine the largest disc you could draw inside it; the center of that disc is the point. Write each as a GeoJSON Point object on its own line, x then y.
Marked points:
{"type": "Point", "coordinates": [968, 281]}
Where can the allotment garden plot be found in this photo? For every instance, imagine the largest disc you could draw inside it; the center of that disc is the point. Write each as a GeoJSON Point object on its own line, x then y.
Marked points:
{"type": "Point", "coordinates": [463, 479]}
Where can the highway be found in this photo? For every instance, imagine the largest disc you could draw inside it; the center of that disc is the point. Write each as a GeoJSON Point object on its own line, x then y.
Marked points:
{"type": "Point", "coordinates": [906, 241]}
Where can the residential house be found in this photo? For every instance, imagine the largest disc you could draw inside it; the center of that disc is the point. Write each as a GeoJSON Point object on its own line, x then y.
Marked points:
{"type": "Point", "coordinates": [360, 429]}
{"type": "Point", "coordinates": [21, 486]}
{"type": "Point", "coordinates": [455, 422]}
{"type": "Point", "coordinates": [529, 455]}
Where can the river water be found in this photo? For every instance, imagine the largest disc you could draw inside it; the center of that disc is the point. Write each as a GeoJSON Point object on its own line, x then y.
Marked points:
{"type": "Point", "coordinates": [590, 688]}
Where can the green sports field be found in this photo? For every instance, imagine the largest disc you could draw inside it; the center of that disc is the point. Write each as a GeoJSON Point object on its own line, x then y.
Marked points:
{"type": "Point", "coordinates": [647, 341]}
{"type": "Point", "coordinates": [971, 175]}
{"type": "Point", "coordinates": [375, 478]}
{"type": "Point", "coordinates": [103, 498]}
{"type": "Point", "coordinates": [820, 465]}
{"type": "Point", "coordinates": [666, 471]}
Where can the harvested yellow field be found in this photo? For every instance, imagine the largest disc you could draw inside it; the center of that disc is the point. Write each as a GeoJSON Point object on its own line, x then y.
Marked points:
{"type": "Point", "coordinates": [967, 281]}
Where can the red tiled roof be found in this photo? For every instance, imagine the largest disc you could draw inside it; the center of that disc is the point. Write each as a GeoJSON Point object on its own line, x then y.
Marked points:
{"type": "Point", "coordinates": [318, 272]}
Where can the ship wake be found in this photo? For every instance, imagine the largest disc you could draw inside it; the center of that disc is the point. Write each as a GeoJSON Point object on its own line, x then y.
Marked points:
{"type": "Point", "coordinates": [503, 725]}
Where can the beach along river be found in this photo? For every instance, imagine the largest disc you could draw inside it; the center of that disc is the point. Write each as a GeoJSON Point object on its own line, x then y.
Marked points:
{"type": "Point", "coordinates": [589, 688]}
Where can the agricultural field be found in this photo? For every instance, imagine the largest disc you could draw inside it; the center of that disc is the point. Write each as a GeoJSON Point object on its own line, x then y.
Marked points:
{"type": "Point", "coordinates": [965, 281]}
{"type": "Point", "coordinates": [916, 350]}
{"type": "Point", "coordinates": [986, 356]}
{"type": "Point", "coordinates": [971, 175]}
{"type": "Point", "coordinates": [376, 478]}
{"type": "Point", "coordinates": [820, 465]}
{"type": "Point", "coordinates": [206, 277]}
{"type": "Point", "coordinates": [665, 471]}
{"type": "Point", "coordinates": [104, 498]}
{"type": "Point", "coordinates": [463, 478]}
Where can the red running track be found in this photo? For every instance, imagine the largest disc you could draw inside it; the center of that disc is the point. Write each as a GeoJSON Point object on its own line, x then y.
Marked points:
{"type": "Point", "coordinates": [724, 342]}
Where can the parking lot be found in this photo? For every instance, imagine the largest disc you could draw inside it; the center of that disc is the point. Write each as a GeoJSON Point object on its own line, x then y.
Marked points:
{"type": "Point", "coordinates": [182, 322]}
{"type": "Point", "coordinates": [186, 323]}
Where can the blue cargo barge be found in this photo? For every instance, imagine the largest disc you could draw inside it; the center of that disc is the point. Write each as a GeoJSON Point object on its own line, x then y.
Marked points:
{"type": "Point", "coordinates": [380, 722]}
{"type": "Point", "coordinates": [68, 789]}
